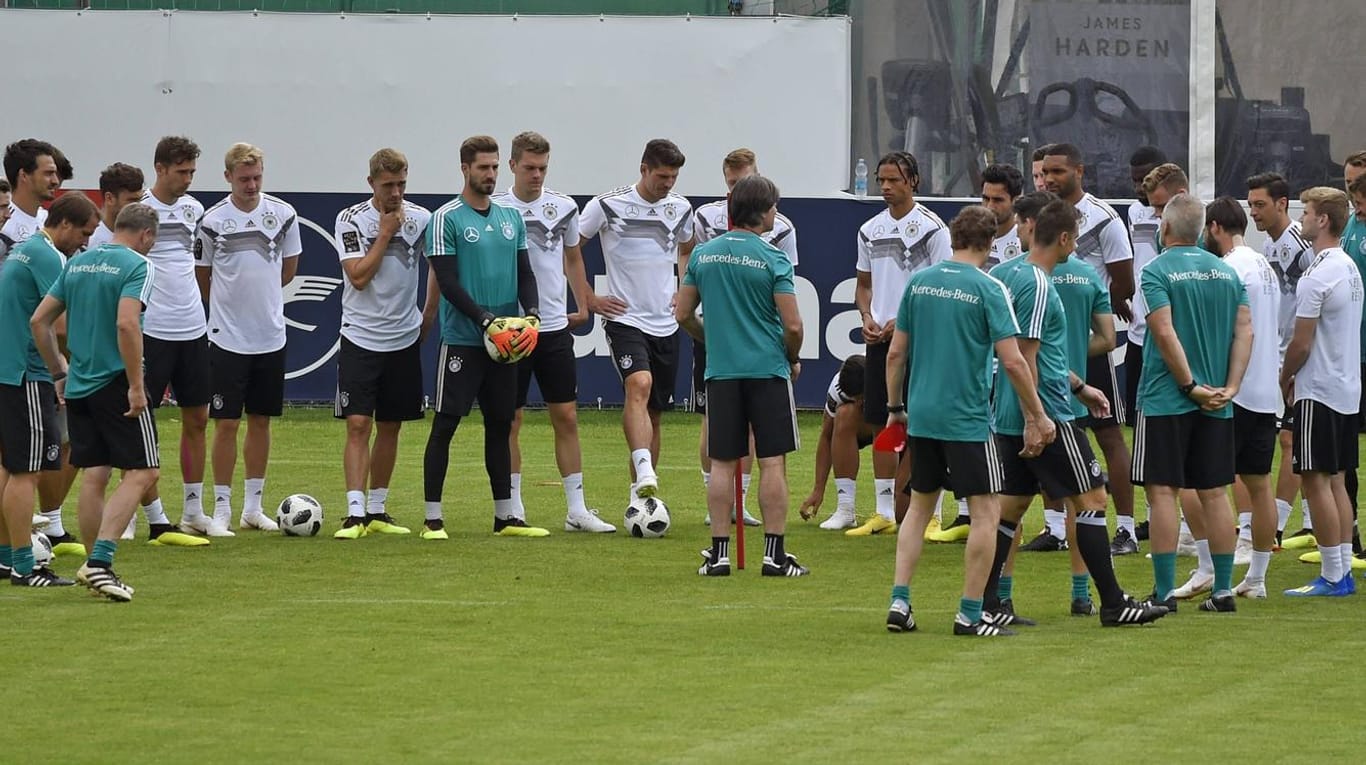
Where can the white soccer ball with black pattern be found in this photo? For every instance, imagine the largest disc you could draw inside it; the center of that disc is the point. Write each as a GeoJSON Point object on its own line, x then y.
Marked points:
{"type": "Point", "coordinates": [42, 550]}
{"type": "Point", "coordinates": [299, 515]}
{"type": "Point", "coordinates": [647, 517]}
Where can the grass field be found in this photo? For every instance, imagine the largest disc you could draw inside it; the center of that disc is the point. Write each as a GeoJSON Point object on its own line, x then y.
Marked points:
{"type": "Point", "coordinates": [612, 650]}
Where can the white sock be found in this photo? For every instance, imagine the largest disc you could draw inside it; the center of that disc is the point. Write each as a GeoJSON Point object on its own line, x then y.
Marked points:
{"type": "Point", "coordinates": [1307, 517]}
{"type": "Point", "coordinates": [1331, 567]}
{"type": "Point", "coordinates": [886, 497]}
{"type": "Point", "coordinates": [744, 492]}
{"type": "Point", "coordinates": [54, 523]}
{"type": "Point", "coordinates": [1282, 513]}
{"type": "Point", "coordinates": [517, 493]}
{"type": "Point", "coordinates": [433, 511]}
{"type": "Point", "coordinates": [375, 505]}
{"type": "Point", "coordinates": [1206, 562]}
{"type": "Point", "coordinates": [155, 514]}
{"type": "Point", "coordinates": [573, 493]}
{"type": "Point", "coordinates": [222, 502]}
{"type": "Point", "coordinates": [1185, 530]}
{"type": "Point", "coordinates": [641, 459]}
{"type": "Point", "coordinates": [844, 493]}
{"type": "Point", "coordinates": [504, 508]}
{"type": "Point", "coordinates": [355, 504]}
{"type": "Point", "coordinates": [706, 479]}
{"type": "Point", "coordinates": [194, 500]}
{"type": "Point", "coordinates": [1126, 522]}
{"type": "Point", "coordinates": [1261, 559]}
{"type": "Point", "coordinates": [255, 490]}
{"type": "Point", "coordinates": [1054, 522]}
{"type": "Point", "coordinates": [1245, 525]}
{"type": "Point", "coordinates": [963, 509]}
{"type": "Point", "coordinates": [1345, 558]}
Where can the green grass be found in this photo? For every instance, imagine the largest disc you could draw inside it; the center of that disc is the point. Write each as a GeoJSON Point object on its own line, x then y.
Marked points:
{"type": "Point", "coordinates": [612, 650]}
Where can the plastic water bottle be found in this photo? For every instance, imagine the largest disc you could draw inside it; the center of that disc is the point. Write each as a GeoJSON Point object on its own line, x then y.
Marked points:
{"type": "Point", "coordinates": [861, 178]}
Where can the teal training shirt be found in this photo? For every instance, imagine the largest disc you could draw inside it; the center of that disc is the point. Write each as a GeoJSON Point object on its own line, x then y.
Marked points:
{"type": "Point", "coordinates": [737, 274]}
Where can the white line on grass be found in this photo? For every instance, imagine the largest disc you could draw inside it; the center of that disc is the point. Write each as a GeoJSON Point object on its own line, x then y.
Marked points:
{"type": "Point", "coordinates": [399, 602]}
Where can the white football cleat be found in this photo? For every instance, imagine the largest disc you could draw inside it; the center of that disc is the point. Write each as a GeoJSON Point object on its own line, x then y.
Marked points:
{"type": "Point", "coordinates": [1185, 546]}
{"type": "Point", "coordinates": [587, 521]}
{"type": "Point", "coordinates": [1198, 583]}
{"type": "Point", "coordinates": [259, 521]}
{"type": "Point", "coordinates": [132, 531]}
{"type": "Point", "coordinates": [1242, 554]}
{"type": "Point", "coordinates": [1248, 590]}
{"type": "Point", "coordinates": [839, 520]}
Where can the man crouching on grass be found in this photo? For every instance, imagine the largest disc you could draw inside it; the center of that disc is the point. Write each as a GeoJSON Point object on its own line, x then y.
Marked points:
{"type": "Point", "coordinates": [753, 334]}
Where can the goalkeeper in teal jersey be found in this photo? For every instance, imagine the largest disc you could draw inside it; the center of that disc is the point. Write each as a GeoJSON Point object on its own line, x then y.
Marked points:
{"type": "Point", "coordinates": [479, 262]}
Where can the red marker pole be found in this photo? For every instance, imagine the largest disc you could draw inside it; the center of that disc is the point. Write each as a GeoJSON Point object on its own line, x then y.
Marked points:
{"type": "Point", "coordinates": [739, 521]}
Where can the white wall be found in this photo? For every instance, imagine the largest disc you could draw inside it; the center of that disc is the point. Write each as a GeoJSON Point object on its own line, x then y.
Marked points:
{"type": "Point", "coordinates": [320, 93]}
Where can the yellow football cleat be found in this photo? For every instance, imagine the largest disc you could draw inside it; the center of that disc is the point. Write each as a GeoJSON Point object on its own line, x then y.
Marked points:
{"type": "Point", "coordinates": [957, 533]}
{"type": "Point", "coordinates": [177, 539]}
{"type": "Point", "coordinates": [67, 545]}
{"type": "Point", "coordinates": [874, 525]}
{"type": "Point", "coordinates": [932, 527]}
{"type": "Point", "coordinates": [350, 529]}
{"type": "Point", "coordinates": [1299, 541]}
{"type": "Point", "coordinates": [384, 524]}
{"type": "Point", "coordinates": [516, 527]}
{"type": "Point", "coordinates": [436, 534]}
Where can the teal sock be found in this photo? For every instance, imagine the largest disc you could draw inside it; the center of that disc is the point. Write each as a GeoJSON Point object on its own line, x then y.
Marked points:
{"type": "Point", "coordinates": [901, 592]}
{"type": "Point", "coordinates": [1081, 587]}
{"type": "Point", "coordinates": [1223, 571]}
{"type": "Point", "coordinates": [104, 551]}
{"type": "Point", "coordinates": [23, 560]}
{"type": "Point", "coordinates": [1005, 588]}
{"type": "Point", "coordinates": [6, 556]}
{"type": "Point", "coordinates": [1164, 574]}
{"type": "Point", "coordinates": [970, 609]}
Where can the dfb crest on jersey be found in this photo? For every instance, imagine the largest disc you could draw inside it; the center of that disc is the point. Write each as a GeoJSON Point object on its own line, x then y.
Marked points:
{"type": "Point", "coordinates": [669, 211]}
{"type": "Point", "coordinates": [188, 212]}
{"type": "Point", "coordinates": [1012, 250]}
{"type": "Point", "coordinates": [625, 361]}
{"type": "Point", "coordinates": [217, 401]}
{"type": "Point", "coordinates": [912, 229]}
{"type": "Point", "coordinates": [471, 234]}
{"type": "Point", "coordinates": [269, 221]}
{"type": "Point", "coordinates": [54, 452]}
{"type": "Point", "coordinates": [549, 212]}
{"type": "Point", "coordinates": [345, 399]}
{"type": "Point", "coordinates": [454, 364]}
{"type": "Point", "coordinates": [508, 233]}
{"type": "Point", "coordinates": [409, 226]}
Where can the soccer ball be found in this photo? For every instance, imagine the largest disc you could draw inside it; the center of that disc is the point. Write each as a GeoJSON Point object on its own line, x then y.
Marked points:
{"type": "Point", "coordinates": [513, 324]}
{"type": "Point", "coordinates": [299, 515]}
{"type": "Point", "coordinates": [647, 517]}
{"type": "Point", "coordinates": [42, 550]}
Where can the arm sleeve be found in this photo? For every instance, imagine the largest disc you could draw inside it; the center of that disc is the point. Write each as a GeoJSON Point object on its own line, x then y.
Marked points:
{"type": "Point", "coordinates": [527, 293]}
{"type": "Point", "coordinates": [1026, 298]}
{"type": "Point", "coordinates": [1309, 297]}
{"type": "Point", "coordinates": [782, 273]}
{"type": "Point", "coordinates": [447, 272]}
{"type": "Point", "coordinates": [293, 245]}
{"type": "Point", "coordinates": [865, 253]}
{"type": "Point", "coordinates": [592, 220]}
{"type": "Point", "coordinates": [685, 232]}
{"type": "Point", "coordinates": [203, 246]}
{"type": "Point", "coordinates": [571, 227]}
{"type": "Point", "coordinates": [138, 285]}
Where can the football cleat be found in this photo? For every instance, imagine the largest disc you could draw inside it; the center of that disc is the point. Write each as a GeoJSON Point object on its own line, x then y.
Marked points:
{"type": "Point", "coordinates": [170, 535]}
{"type": "Point", "coordinates": [840, 519]}
{"type": "Point", "coordinates": [1045, 542]}
{"type": "Point", "coordinates": [259, 521]}
{"type": "Point", "coordinates": [383, 523]}
{"type": "Point", "coordinates": [352, 528]}
{"type": "Point", "coordinates": [1132, 612]}
{"type": "Point", "coordinates": [516, 527]}
{"type": "Point", "coordinates": [718, 567]}
{"type": "Point", "coordinates": [1083, 607]}
{"type": "Point", "coordinates": [587, 521]}
{"type": "Point", "coordinates": [1242, 553]}
{"type": "Point", "coordinates": [789, 567]}
{"type": "Point", "coordinates": [1318, 588]}
{"type": "Point", "coordinates": [874, 525]}
{"type": "Point", "coordinates": [40, 576]}
{"type": "Point", "coordinates": [1248, 589]}
{"type": "Point", "coordinates": [1199, 582]}
{"type": "Point", "coordinates": [102, 580]}
{"type": "Point", "coordinates": [434, 531]}
{"type": "Point", "coordinates": [67, 545]}
{"type": "Point", "coordinates": [900, 618]}
{"type": "Point", "coordinates": [952, 533]}
{"type": "Point", "coordinates": [1123, 543]}
{"type": "Point", "coordinates": [932, 527]}
{"type": "Point", "coordinates": [1300, 540]}
{"type": "Point", "coordinates": [981, 628]}
{"type": "Point", "coordinates": [1141, 532]}
{"type": "Point", "coordinates": [1007, 618]}
{"type": "Point", "coordinates": [1222, 604]}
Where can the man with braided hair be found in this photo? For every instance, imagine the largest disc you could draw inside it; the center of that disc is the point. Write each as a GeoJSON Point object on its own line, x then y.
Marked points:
{"type": "Point", "coordinates": [898, 242]}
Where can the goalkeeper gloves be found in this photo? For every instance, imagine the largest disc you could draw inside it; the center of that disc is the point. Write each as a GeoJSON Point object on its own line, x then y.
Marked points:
{"type": "Point", "coordinates": [525, 342]}
{"type": "Point", "coordinates": [501, 336]}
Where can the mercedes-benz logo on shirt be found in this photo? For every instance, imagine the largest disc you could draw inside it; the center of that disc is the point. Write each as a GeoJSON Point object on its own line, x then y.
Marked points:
{"type": "Point", "coordinates": [471, 234]}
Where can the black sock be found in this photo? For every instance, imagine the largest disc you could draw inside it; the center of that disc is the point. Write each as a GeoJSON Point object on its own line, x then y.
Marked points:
{"type": "Point", "coordinates": [773, 548]}
{"type": "Point", "coordinates": [438, 455]}
{"type": "Point", "coordinates": [1093, 542]}
{"type": "Point", "coordinates": [498, 457]}
{"type": "Point", "coordinates": [720, 548]}
{"type": "Point", "coordinates": [1005, 537]}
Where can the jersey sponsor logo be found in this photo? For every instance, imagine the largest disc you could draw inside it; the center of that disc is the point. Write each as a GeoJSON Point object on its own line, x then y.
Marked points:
{"type": "Point", "coordinates": [351, 241]}
{"type": "Point", "coordinates": [632, 211]}
{"type": "Point", "coordinates": [508, 233]}
{"type": "Point", "coordinates": [229, 226]}
{"type": "Point", "coordinates": [471, 234]}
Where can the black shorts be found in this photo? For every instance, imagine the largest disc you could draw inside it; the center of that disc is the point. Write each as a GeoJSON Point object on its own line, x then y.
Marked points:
{"type": "Point", "coordinates": [967, 468]}
{"type": "Point", "coordinates": [1325, 440]}
{"type": "Point", "coordinates": [737, 406]}
{"type": "Point", "coordinates": [875, 384]}
{"type": "Point", "coordinates": [1254, 441]}
{"type": "Point", "coordinates": [1066, 468]}
{"type": "Point", "coordinates": [698, 395]}
{"type": "Point", "coordinates": [1100, 374]}
{"type": "Point", "coordinates": [254, 382]}
{"type": "Point", "coordinates": [385, 385]}
{"type": "Point", "coordinates": [101, 436]}
{"type": "Point", "coordinates": [634, 351]}
{"type": "Point", "coordinates": [29, 438]}
{"type": "Point", "coordinates": [1133, 371]}
{"type": "Point", "coordinates": [466, 373]}
{"type": "Point", "coordinates": [555, 366]}
{"type": "Point", "coordinates": [181, 364]}
{"type": "Point", "coordinates": [1188, 451]}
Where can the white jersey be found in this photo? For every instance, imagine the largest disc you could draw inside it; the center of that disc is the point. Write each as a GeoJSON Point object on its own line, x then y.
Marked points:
{"type": "Point", "coordinates": [552, 224]}
{"type": "Point", "coordinates": [246, 251]}
{"type": "Point", "coordinates": [1261, 389]}
{"type": "Point", "coordinates": [1144, 223]}
{"type": "Point", "coordinates": [1101, 238]}
{"type": "Point", "coordinates": [835, 397]}
{"type": "Point", "coordinates": [1330, 291]}
{"type": "Point", "coordinates": [18, 229]}
{"type": "Point", "coordinates": [893, 249]}
{"type": "Point", "coordinates": [640, 246]}
{"type": "Point", "coordinates": [384, 316]}
{"type": "Point", "coordinates": [176, 311]}
{"type": "Point", "coordinates": [101, 236]}
{"type": "Point", "coordinates": [1289, 255]}
{"type": "Point", "coordinates": [713, 220]}
{"type": "Point", "coordinates": [1003, 248]}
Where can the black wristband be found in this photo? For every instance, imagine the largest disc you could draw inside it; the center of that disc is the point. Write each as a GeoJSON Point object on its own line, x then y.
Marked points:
{"type": "Point", "coordinates": [485, 320]}
{"type": "Point", "coordinates": [896, 408]}
{"type": "Point", "coordinates": [1187, 388]}
{"type": "Point", "coordinates": [58, 376]}
{"type": "Point", "coordinates": [1077, 388]}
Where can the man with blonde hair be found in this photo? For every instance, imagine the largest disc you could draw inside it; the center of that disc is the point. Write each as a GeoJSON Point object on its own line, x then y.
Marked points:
{"type": "Point", "coordinates": [247, 249]}
{"type": "Point", "coordinates": [1321, 375]}
{"type": "Point", "coordinates": [381, 243]}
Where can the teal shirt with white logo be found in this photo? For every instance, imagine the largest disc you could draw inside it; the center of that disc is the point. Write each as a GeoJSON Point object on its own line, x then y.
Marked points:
{"type": "Point", "coordinates": [1041, 316]}
{"type": "Point", "coordinates": [1203, 294]}
{"type": "Point", "coordinates": [486, 244]}
{"type": "Point", "coordinates": [91, 287]}
{"type": "Point", "coordinates": [1354, 244]}
{"type": "Point", "coordinates": [737, 274]}
{"type": "Point", "coordinates": [1083, 295]}
{"type": "Point", "coordinates": [953, 314]}
{"type": "Point", "coordinates": [29, 273]}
